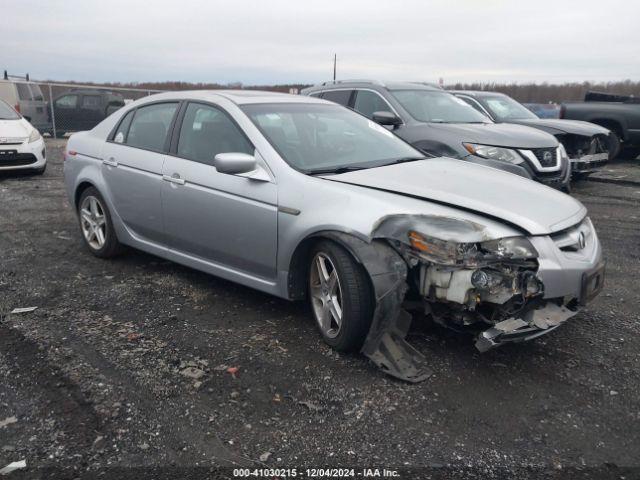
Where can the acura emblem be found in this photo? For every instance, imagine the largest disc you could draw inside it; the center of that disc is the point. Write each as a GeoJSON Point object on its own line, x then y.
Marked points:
{"type": "Point", "coordinates": [547, 157]}
{"type": "Point", "coordinates": [582, 241]}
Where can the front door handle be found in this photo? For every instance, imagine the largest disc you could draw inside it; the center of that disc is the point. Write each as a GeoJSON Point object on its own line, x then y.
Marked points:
{"type": "Point", "coordinates": [111, 162]}
{"type": "Point", "coordinates": [175, 178]}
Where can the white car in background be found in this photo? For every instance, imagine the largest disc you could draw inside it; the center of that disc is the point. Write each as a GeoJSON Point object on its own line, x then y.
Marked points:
{"type": "Point", "coordinates": [21, 145]}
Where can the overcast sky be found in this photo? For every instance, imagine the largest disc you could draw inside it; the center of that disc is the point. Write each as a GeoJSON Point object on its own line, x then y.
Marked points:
{"type": "Point", "coordinates": [293, 41]}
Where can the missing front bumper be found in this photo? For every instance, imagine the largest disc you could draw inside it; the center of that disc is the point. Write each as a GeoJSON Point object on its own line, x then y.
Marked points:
{"type": "Point", "coordinates": [533, 324]}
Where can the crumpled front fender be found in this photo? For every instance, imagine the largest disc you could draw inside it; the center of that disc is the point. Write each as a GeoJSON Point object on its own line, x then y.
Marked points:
{"type": "Point", "coordinates": [385, 344]}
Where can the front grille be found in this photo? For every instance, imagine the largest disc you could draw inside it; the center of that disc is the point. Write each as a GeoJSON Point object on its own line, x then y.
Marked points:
{"type": "Point", "coordinates": [17, 160]}
{"type": "Point", "coordinates": [11, 141]}
{"type": "Point", "coordinates": [548, 157]}
{"type": "Point", "coordinates": [573, 239]}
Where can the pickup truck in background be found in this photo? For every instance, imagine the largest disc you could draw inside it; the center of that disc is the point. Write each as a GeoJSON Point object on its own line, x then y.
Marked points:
{"type": "Point", "coordinates": [82, 109]}
{"type": "Point", "coordinates": [618, 113]}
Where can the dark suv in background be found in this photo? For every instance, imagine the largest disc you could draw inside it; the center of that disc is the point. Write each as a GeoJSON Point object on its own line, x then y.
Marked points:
{"type": "Point", "coordinates": [440, 124]}
{"type": "Point", "coordinates": [82, 109]}
{"type": "Point", "coordinates": [589, 146]}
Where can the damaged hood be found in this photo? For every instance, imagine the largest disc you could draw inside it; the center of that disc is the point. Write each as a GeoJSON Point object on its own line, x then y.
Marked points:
{"type": "Point", "coordinates": [557, 126]}
{"type": "Point", "coordinates": [532, 207]}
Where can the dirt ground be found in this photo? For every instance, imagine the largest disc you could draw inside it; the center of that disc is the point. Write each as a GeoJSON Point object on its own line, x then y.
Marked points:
{"type": "Point", "coordinates": [139, 365]}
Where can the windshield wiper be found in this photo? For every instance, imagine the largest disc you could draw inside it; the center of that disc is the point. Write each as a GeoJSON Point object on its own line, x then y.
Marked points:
{"type": "Point", "coordinates": [402, 160]}
{"type": "Point", "coordinates": [336, 170]}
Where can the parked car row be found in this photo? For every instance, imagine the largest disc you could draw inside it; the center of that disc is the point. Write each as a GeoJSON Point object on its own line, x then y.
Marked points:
{"type": "Point", "coordinates": [487, 128]}
{"type": "Point", "coordinates": [303, 198]}
{"type": "Point", "coordinates": [73, 110]}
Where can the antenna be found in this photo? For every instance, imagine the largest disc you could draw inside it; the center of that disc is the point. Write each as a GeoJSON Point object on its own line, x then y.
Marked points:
{"type": "Point", "coordinates": [335, 60]}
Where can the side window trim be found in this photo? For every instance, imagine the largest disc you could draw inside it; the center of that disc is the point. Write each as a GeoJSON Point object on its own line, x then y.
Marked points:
{"type": "Point", "coordinates": [391, 109]}
{"type": "Point", "coordinates": [173, 151]}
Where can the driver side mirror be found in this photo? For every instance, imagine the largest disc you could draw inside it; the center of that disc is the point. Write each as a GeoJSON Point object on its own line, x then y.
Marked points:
{"type": "Point", "coordinates": [387, 118]}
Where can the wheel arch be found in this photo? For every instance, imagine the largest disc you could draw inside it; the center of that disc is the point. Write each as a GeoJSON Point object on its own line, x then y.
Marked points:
{"type": "Point", "coordinates": [299, 265]}
{"type": "Point", "coordinates": [82, 186]}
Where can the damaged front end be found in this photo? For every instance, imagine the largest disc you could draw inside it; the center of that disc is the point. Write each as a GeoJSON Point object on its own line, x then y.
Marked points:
{"type": "Point", "coordinates": [464, 280]}
{"type": "Point", "coordinates": [587, 154]}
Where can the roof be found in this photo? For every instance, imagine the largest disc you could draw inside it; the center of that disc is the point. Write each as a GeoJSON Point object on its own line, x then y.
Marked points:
{"type": "Point", "coordinates": [477, 93]}
{"type": "Point", "coordinates": [239, 97]}
{"type": "Point", "coordinates": [358, 83]}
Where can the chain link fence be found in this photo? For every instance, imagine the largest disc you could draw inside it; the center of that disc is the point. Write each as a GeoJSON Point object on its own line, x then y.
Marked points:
{"type": "Point", "coordinates": [57, 109]}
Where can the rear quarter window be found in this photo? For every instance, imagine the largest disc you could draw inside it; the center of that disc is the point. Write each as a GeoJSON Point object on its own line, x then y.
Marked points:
{"type": "Point", "coordinates": [23, 91]}
{"type": "Point", "coordinates": [338, 96]}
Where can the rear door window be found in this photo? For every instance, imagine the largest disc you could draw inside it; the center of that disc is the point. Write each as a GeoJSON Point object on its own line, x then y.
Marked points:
{"type": "Point", "coordinates": [150, 126]}
{"type": "Point", "coordinates": [207, 131]}
{"type": "Point", "coordinates": [338, 96]}
{"type": "Point", "coordinates": [369, 102]}
{"type": "Point", "coordinates": [24, 93]}
{"type": "Point", "coordinates": [67, 101]}
{"type": "Point", "coordinates": [36, 93]}
{"type": "Point", "coordinates": [90, 101]}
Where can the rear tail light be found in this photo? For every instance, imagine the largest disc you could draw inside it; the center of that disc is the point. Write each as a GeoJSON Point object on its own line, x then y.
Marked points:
{"type": "Point", "coordinates": [17, 107]}
{"type": "Point", "coordinates": [563, 110]}
{"type": "Point", "coordinates": [70, 153]}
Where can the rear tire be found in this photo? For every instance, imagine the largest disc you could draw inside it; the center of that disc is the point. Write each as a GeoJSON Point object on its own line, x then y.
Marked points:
{"type": "Point", "coordinates": [95, 225]}
{"type": "Point", "coordinates": [341, 297]}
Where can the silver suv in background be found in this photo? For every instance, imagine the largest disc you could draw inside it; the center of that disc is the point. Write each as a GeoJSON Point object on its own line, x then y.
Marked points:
{"type": "Point", "coordinates": [27, 99]}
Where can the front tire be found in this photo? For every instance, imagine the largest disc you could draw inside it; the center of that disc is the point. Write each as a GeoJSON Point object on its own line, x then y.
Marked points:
{"type": "Point", "coordinates": [341, 297]}
{"type": "Point", "coordinates": [95, 225]}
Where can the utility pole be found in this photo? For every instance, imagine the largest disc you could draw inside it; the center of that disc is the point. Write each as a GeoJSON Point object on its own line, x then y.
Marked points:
{"type": "Point", "coordinates": [335, 59]}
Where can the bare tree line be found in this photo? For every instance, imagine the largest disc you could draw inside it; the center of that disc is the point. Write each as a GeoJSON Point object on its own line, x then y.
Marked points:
{"type": "Point", "coordinates": [523, 92]}
{"type": "Point", "coordinates": [552, 93]}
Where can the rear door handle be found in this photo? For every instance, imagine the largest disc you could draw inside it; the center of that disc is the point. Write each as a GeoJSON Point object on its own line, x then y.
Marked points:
{"type": "Point", "coordinates": [111, 162]}
{"type": "Point", "coordinates": [175, 178]}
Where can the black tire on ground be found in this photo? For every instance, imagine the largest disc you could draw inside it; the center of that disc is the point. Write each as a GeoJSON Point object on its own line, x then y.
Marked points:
{"type": "Point", "coordinates": [112, 246]}
{"type": "Point", "coordinates": [357, 297]}
{"type": "Point", "coordinates": [580, 175]}
{"type": "Point", "coordinates": [614, 146]}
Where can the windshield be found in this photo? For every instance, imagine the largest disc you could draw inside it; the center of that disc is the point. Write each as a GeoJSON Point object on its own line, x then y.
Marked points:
{"type": "Point", "coordinates": [6, 112]}
{"type": "Point", "coordinates": [438, 107]}
{"type": "Point", "coordinates": [316, 138]}
{"type": "Point", "coordinates": [506, 108]}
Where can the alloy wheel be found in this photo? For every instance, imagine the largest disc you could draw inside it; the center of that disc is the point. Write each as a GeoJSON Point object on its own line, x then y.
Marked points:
{"type": "Point", "coordinates": [326, 295]}
{"type": "Point", "coordinates": [93, 222]}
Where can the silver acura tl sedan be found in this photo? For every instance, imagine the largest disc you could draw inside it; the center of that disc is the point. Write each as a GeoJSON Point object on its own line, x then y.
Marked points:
{"type": "Point", "coordinates": [306, 199]}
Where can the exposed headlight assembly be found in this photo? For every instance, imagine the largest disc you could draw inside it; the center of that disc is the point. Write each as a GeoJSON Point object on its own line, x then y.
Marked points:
{"type": "Point", "coordinates": [444, 252]}
{"type": "Point", "coordinates": [34, 136]}
{"type": "Point", "coordinates": [516, 248]}
{"type": "Point", "coordinates": [494, 153]}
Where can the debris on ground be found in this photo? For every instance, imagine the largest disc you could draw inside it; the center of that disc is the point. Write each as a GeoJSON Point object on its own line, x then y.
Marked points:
{"type": "Point", "coordinates": [8, 421]}
{"type": "Point", "coordinates": [23, 309]}
{"type": "Point", "coordinates": [13, 466]}
{"type": "Point", "coordinates": [265, 456]}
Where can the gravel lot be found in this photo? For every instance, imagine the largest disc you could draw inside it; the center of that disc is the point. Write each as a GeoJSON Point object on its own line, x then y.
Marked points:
{"type": "Point", "coordinates": [126, 363]}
